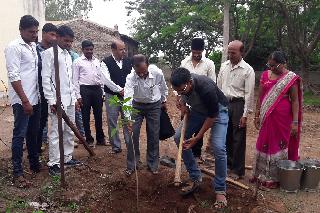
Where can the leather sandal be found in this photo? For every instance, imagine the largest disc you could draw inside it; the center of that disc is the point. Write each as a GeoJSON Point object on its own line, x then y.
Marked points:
{"type": "Point", "coordinates": [221, 204]}
{"type": "Point", "coordinates": [21, 182]}
{"type": "Point", "coordinates": [128, 172]}
{"type": "Point", "coordinates": [190, 187]}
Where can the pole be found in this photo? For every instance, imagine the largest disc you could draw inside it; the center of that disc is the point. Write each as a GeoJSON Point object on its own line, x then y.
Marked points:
{"type": "Point", "coordinates": [59, 112]}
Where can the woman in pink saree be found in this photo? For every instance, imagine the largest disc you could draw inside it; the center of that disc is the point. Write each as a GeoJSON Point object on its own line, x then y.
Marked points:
{"type": "Point", "coordinates": [278, 117]}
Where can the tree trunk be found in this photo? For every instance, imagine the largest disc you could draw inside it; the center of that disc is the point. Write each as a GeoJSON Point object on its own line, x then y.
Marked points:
{"type": "Point", "coordinates": [305, 76]}
{"type": "Point", "coordinates": [226, 26]}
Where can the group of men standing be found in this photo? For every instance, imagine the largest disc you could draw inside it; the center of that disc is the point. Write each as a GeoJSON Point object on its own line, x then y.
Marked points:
{"type": "Point", "coordinates": [220, 104]}
{"type": "Point", "coordinates": [32, 93]}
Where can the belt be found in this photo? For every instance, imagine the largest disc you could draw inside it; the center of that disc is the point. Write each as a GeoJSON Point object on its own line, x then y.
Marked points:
{"type": "Point", "coordinates": [140, 103]}
{"type": "Point", "coordinates": [235, 99]}
{"type": "Point", "coordinates": [90, 86]}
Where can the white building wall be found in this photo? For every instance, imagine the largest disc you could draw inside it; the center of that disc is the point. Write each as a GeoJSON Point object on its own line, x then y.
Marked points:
{"type": "Point", "coordinates": [11, 12]}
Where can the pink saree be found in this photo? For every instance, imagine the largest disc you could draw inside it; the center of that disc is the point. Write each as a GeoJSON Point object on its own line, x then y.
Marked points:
{"type": "Point", "coordinates": [275, 142]}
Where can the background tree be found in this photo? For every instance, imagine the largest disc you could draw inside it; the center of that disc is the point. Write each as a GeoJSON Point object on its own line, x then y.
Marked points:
{"type": "Point", "coordinates": [302, 28]}
{"type": "Point", "coordinates": [168, 26]}
{"type": "Point", "coordinates": [226, 30]}
{"type": "Point", "coordinates": [59, 10]}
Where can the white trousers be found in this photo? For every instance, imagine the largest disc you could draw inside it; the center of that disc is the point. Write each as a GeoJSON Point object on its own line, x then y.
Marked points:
{"type": "Point", "coordinates": [68, 137]}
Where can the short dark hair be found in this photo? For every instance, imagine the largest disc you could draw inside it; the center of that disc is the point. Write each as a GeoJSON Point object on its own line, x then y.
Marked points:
{"type": "Point", "coordinates": [49, 27]}
{"type": "Point", "coordinates": [113, 45]}
{"type": "Point", "coordinates": [279, 57]}
{"type": "Point", "coordinates": [86, 43]}
{"type": "Point", "coordinates": [139, 59]}
{"type": "Point", "coordinates": [197, 44]}
{"type": "Point", "coordinates": [28, 21]}
{"type": "Point", "coordinates": [180, 76]}
{"type": "Point", "coordinates": [64, 30]}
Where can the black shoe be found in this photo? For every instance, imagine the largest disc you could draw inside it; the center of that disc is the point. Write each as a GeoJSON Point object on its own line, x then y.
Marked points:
{"type": "Point", "coordinates": [115, 151]}
{"type": "Point", "coordinates": [36, 170]}
{"type": "Point", "coordinates": [101, 142]}
{"type": "Point", "coordinates": [54, 170]}
{"type": "Point", "coordinates": [72, 162]}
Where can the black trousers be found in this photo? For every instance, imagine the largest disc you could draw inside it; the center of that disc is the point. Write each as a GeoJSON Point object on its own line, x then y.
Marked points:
{"type": "Point", "coordinates": [236, 138]}
{"type": "Point", "coordinates": [43, 121]}
{"type": "Point", "coordinates": [92, 97]}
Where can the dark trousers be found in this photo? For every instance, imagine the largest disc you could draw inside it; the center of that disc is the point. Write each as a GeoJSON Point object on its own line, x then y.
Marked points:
{"type": "Point", "coordinates": [25, 128]}
{"type": "Point", "coordinates": [236, 138]}
{"type": "Point", "coordinates": [151, 112]}
{"type": "Point", "coordinates": [92, 97]}
{"type": "Point", "coordinates": [43, 121]}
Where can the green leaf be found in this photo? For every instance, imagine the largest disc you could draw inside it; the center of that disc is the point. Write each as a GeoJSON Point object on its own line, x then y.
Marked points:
{"type": "Point", "coordinates": [113, 132]}
{"type": "Point", "coordinates": [127, 99]}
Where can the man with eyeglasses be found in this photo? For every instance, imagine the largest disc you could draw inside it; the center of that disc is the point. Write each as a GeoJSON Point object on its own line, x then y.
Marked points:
{"type": "Point", "coordinates": [236, 79]}
{"type": "Point", "coordinates": [208, 110]}
{"type": "Point", "coordinates": [147, 88]}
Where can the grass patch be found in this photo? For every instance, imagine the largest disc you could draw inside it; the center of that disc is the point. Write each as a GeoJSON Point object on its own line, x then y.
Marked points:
{"type": "Point", "coordinates": [311, 99]}
{"type": "Point", "coordinates": [16, 204]}
{"type": "Point", "coordinates": [73, 206]}
{"type": "Point", "coordinates": [50, 188]}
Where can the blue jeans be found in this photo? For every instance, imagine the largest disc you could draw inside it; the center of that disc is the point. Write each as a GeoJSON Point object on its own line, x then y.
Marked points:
{"type": "Point", "coordinates": [218, 143]}
{"type": "Point", "coordinates": [25, 128]}
{"type": "Point", "coordinates": [79, 123]}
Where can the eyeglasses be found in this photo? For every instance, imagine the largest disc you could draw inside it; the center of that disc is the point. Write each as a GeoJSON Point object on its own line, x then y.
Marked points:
{"type": "Point", "coordinates": [272, 66]}
{"type": "Point", "coordinates": [184, 89]}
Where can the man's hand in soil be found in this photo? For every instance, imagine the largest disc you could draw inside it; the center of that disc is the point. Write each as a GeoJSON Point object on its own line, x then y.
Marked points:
{"type": "Point", "coordinates": [27, 108]}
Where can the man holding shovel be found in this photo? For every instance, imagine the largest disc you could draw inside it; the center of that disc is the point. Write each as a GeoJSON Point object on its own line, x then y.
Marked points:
{"type": "Point", "coordinates": [208, 109]}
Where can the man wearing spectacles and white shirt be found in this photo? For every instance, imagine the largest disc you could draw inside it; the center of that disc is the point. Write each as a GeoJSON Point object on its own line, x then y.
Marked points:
{"type": "Point", "coordinates": [22, 66]}
{"type": "Point", "coordinates": [147, 88]}
{"type": "Point", "coordinates": [200, 65]}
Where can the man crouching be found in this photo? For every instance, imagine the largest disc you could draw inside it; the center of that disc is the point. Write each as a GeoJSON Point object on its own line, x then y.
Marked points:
{"type": "Point", "coordinates": [208, 109]}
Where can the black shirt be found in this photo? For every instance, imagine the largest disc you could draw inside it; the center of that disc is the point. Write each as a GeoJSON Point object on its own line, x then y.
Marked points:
{"type": "Point", "coordinates": [205, 96]}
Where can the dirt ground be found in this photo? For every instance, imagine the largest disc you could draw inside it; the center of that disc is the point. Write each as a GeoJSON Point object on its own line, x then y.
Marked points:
{"type": "Point", "coordinates": [99, 185]}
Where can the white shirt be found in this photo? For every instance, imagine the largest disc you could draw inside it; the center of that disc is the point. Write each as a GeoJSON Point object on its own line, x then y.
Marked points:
{"type": "Point", "coordinates": [86, 72]}
{"type": "Point", "coordinates": [22, 65]}
{"type": "Point", "coordinates": [149, 90]}
{"type": "Point", "coordinates": [67, 89]}
{"type": "Point", "coordinates": [204, 67]}
{"type": "Point", "coordinates": [238, 82]}
{"type": "Point", "coordinates": [106, 80]}
{"type": "Point", "coordinates": [119, 63]}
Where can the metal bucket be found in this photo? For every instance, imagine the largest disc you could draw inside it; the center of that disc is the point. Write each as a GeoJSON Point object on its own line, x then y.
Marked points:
{"type": "Point", "coordinates": [311, 174]}
{"type": "Point", "coordinates": [289, 175]}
